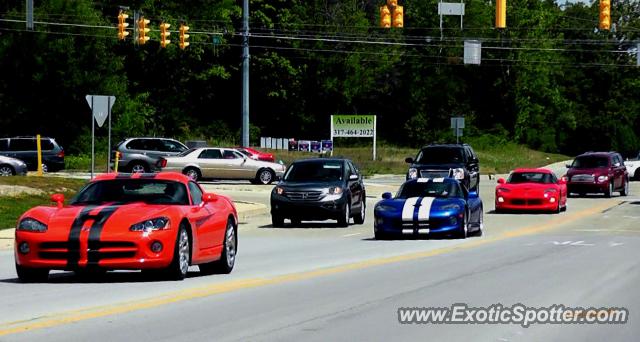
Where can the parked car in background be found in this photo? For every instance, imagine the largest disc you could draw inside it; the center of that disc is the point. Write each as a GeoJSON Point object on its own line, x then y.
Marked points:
{"type": "Point", "coordinates": [221, 163]}
{"type": "Point", "coordinates": [257, 155]}
{"type": "Point", "coordinates": [457, 161]}
{"type": "Point", "coordinates": [633, 167]}
{"type": "Point", "coordinates": [598, 172]}
{"type": "Point", "coordinates": [142, 154]}
{"type": "Point", "coordinates": [531, 189]}
{"type": "Point", "coordinates": [12, 166]}
{"type": "Point", "coordinates": [319, 189]}
{"type": "Point", "coordinates": [25, 148]}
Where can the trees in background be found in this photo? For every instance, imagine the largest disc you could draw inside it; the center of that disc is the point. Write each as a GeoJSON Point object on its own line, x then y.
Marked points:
{"type": "Point", "coordinates": [550, 80]}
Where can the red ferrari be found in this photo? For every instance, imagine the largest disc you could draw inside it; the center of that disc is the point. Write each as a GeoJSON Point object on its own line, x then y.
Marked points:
{"type": "Point", "coordinates": [257, 155]}
{"type": "Point", "coordinates": [162, 222]}
{"type": "Point", "coordinates": [531, 189]}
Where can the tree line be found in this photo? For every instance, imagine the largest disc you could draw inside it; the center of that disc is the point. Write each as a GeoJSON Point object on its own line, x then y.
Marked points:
{"type": "Point", "coordinates": [551, 80]}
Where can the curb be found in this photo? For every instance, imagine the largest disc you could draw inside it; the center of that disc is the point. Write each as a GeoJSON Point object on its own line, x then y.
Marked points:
{"type": "Point", "coordinates": [245, 211]}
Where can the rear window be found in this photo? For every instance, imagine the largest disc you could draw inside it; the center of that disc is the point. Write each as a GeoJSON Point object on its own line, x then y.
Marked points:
{"type": "Point", "coordinates": [531, 177]}
{"type": "Point", "coordinates": [137, 144]}
{"type": "Point", "coordinates": [46, 144]}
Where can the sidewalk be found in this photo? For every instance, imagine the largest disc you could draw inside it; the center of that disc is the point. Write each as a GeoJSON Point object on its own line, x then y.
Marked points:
{"type": "Point", "coordinates": [245, 210]}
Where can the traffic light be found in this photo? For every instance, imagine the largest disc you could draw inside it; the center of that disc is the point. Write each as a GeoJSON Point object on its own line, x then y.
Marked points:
{"type": "Point", "coordinates": [122, 25]}
{"type": "Point", "coordinates": [143, 30]}
{"type": "Point", "coordinates": [385, 17]}
{"type": "Point", "coordinates": [605, 14]}
{"type": "Point", "coordinates": [184, 36]}
{"type": "Point", "coordinates": [501, 14]}
{"type": "Point", "coordinates": [164, 33]}
{"type": "Point", "coordinates": [398, 16]}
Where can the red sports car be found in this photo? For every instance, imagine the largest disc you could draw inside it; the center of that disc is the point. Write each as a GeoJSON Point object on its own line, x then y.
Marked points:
{"type": "Point", "coordinates": [531, 189]}
{"type": "Point", "coordinates": [162, 222]}
{"type": "Point", "coordinates": [257, 155]}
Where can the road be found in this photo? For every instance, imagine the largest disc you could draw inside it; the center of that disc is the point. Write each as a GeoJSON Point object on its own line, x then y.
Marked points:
{"type": "Point", "coordinates": [320, 282]}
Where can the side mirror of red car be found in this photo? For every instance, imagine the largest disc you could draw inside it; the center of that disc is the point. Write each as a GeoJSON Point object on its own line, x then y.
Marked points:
{"type": "Point", "coordinates": [501, 181]}
{"type": "Point", "coordinates": [562, 180]}
{"type": "Point", "coordinates": [59, 199]}
{"type": "Point", "coordinates": [209, 198]}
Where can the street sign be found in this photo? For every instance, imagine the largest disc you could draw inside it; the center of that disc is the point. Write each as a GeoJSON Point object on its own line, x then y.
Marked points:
{"type": "Point", "coordinates": [457, 123]}
{"type": "Point", "coordinates": [101, 107]}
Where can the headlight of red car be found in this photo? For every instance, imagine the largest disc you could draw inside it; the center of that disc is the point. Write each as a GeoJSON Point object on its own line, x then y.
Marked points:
{"type": "Point", "coordinates": [157, 223]}
{"type": "Point", "coordinates": [32, 225]}
{"type": "Point", "coordinates": [551, 192]}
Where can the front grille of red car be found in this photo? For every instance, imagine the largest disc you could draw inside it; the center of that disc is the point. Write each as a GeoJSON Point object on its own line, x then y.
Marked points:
{"type": "Point", "coordinates": [523, 201]}
{"type": "Point", "coordinates": [99, 250]}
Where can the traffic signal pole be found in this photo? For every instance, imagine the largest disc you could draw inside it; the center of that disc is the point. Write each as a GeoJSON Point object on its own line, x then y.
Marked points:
{"type": "Point", "coordinates": [245, 74]}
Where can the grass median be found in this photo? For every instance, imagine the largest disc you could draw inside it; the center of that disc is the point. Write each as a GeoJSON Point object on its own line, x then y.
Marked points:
{"type": "Point", "coordinates": [21, 193]}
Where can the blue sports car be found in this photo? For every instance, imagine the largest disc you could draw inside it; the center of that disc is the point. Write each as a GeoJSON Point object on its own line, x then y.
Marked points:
{"type": "Point", "coordinates": [429, 206]}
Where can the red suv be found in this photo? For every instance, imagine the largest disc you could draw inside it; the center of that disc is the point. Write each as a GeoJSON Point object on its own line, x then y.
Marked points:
{"type": "Point", "coordinates": [601, 172]}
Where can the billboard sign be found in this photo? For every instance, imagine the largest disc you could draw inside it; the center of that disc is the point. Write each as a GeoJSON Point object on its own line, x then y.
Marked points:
{"type": "Point", "coordinates": [353, 125]}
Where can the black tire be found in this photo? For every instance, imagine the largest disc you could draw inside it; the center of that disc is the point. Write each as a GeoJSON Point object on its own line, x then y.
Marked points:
{"type": "Point", "coordinates": [193, 173]}
{"type": "Point", "coordinates": [45, 168]}
{"type": "Point", "coordinates": [360, 216]}
{"type": "Point", "coordinates": [636, 174]}
{"type": "Point", "coordinates": [32, 275]}
{"type": "Point", "coordinates": [265, 176]}
{"type": "Point", "coordinates": [463, 232]}
{"type": "Point", "coordinates": [380, 236]}
{"type": "Point", "coordinates": [181, 256]}
{"type": "Point", "coordinates": [229, 250]}
{"type": "Point", "coordinates": [479, 231]}
{"type": "Point", "coordinates": [277, 221]}
{"type": "Point", "coordinates": [558, 209]}
{"type": "Point", "coordinates": [625, 188]}
{"type": "Point", "coordinates": [609, 190]}
{"type": "Point", "coordinates": [343, 220]}
{"type": "Point", "coordinates": [138, 167]}
{"type": "Point", "coordinates": [7, 170]}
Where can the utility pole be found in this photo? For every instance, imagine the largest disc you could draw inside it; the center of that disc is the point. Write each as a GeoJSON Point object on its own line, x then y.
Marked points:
{"type": "Point", "coordinates": [245, 74]}
{"type": "Point", "coordinates": [29, 14]}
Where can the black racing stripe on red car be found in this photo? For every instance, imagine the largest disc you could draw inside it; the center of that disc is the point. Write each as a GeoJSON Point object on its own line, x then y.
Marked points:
{"type": "Point", "coordinates": [123, 176]}
{"type": "Point", "coordinates": [148, 176]}
{"type": "Point", "coordinates": [73, 241]}
{"type": "Point", "coordinates": [93, 256]}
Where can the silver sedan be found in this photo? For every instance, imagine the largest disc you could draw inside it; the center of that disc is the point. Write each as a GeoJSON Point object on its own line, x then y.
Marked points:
{"type": "Point", "coordinates": [12, 166]}
{"type": "Point", "coordinates": [222, 163]}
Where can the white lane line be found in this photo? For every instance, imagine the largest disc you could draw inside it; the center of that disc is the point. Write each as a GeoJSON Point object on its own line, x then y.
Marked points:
{"type": "Point", "coordinates": [354, 234]}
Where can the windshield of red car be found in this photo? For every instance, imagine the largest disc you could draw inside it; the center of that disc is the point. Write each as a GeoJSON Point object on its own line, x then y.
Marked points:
{"type": "Point", "coordinates": [315, 171]}
{"type": "Point", "coordinates": [531, 177]}
{"type": "Point", "coordinates": [590, 162]}
{"type": "Point", "coordinates": [430, 189]}
{"type": "Point", "coordinates": [123, 191]}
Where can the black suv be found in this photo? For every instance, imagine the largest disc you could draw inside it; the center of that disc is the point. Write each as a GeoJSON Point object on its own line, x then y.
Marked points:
{"type": "Point", "coordinates": [458, 161]}
{"type": "Point", "coordinates": [25, 149]}
{"type": "Point", "coordinates": [319, 189]}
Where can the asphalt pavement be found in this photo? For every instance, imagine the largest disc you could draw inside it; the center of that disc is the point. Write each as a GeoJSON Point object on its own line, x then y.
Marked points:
{"type": "Point", "coordinates": [317, 281]}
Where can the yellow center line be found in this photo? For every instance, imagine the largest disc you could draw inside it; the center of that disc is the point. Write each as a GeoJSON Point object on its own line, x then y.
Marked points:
{"type": "Point", "coordinates": [66, 317]}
